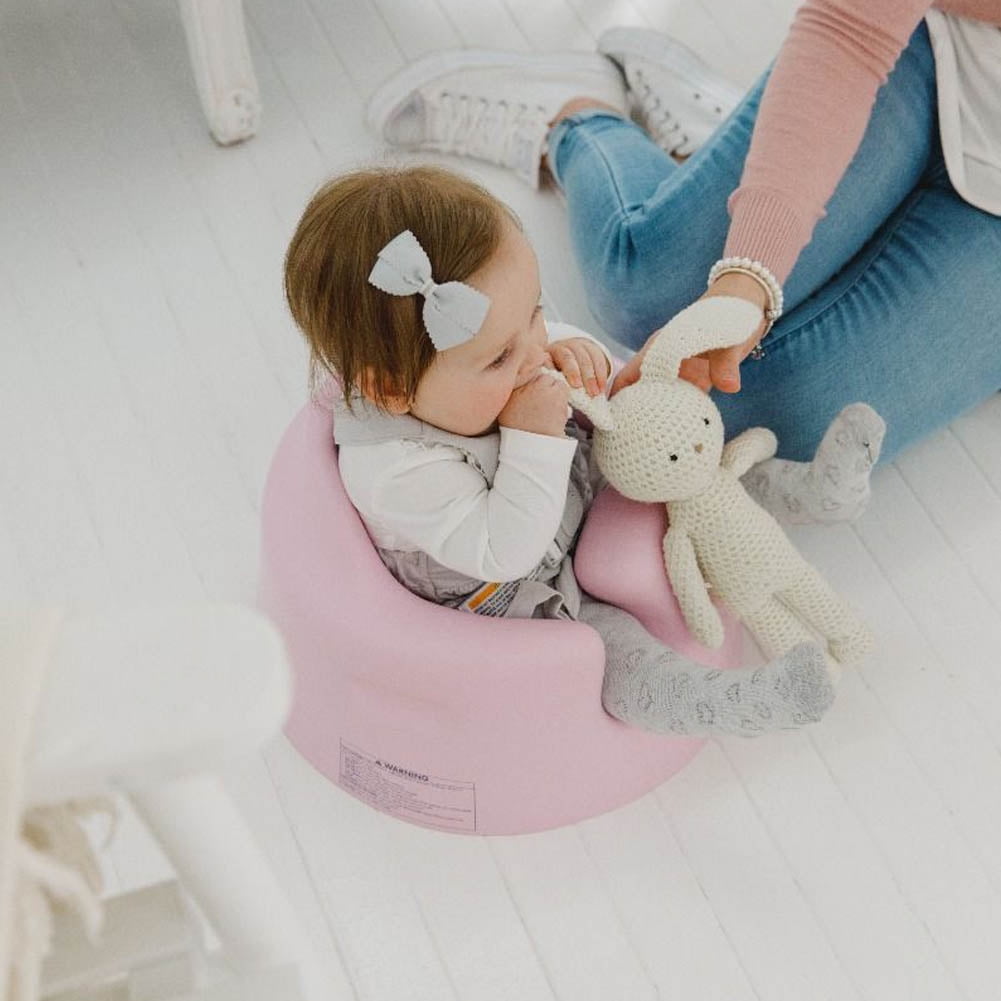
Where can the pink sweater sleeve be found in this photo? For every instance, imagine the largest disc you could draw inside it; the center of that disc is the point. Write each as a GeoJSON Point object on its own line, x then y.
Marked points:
{"type": "Point", "coordinates": [813, 114]}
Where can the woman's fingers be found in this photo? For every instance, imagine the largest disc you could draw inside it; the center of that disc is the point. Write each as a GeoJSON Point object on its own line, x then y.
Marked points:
{"type": "Point", "coordinates": [724, 364]}
{"type": "Point", "coordinates": [627, 375]}
{"type": "Point", "coordinates": [724, 368]}
{"type": "Point", "coordinates": [696, 371]}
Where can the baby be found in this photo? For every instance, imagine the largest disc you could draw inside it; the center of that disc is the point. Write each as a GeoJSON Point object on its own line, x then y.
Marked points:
{"type": "Point", "coordinates": [417, 290]}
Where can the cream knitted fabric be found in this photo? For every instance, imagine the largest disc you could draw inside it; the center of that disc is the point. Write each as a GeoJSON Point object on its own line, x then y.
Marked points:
{"type": "Point", "coordinates": [665, 443]}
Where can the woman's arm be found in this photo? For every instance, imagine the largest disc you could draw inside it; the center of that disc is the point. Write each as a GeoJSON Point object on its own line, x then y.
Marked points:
{"type": "Point", "coordinates": [813, 115]}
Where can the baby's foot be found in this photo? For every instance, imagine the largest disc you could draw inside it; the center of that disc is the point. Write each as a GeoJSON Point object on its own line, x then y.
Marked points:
{"type": "Point", "coordinates": [833, 487]}
{"type": "Point", "coordinates": [672, 696]}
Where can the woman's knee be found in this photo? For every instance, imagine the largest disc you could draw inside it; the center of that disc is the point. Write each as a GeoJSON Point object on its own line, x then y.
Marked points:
{"type": "Point", "coordinates": [633, 291]}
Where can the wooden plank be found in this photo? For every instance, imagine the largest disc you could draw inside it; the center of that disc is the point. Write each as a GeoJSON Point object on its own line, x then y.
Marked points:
{"type": "Point", "coordinates": [915, 690]}
{"type": "Point", "coordinates": [417, 28]}
{"type": "Point", "coordinates": [260, 800]}
{"type": "Point", "coordinates": [57, 541]}
{"type": "Point", "coordinates": [668, 920]}
{"type": "Point", "coordinates": [487, 24]}
{"type": "Point", "coordinates": [554, 25]}
{"type": "Point", "coordinates": [907, 936]}
{"type": "Point", "coordinates": [962, 503]}
{"type": "Point", "coordinates": [932, 805]}
{"type": "Point", "coordinates": [580, 938]}
{"type": "Point", "coordinates": [600, 15]}
{"type": "Point", "coordinates": [950, 610]}
{"type": "Point", "coordinates": [980, 433]}
{"type": "Point", "coordinates": [370, 906]}
{"type": "Point", "coordinates": [325, 98]}
{"type": "Point", "coordinates": [766, 915]}
{"type": "Point", "coordinates": [477, 929]}
{"type": "Point", "coordinates": [363, 41]}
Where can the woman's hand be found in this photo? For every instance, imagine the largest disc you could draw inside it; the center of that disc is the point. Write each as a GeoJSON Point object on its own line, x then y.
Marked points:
{"type": "Point", "coordinates": [582, 363]}
{"type": "Point", "coordinates": [719, 368]}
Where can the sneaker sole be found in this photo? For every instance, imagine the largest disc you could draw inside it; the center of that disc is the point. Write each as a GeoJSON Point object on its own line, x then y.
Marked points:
{"type": "Point", "coordinates": [617, 43]}
{"type": "Point", "coordinates": [389, 95]}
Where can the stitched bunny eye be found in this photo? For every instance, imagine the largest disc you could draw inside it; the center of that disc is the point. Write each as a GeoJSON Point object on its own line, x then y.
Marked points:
{"type": "Point", "coordinates": [674, 458]}
{"type": "Point", "coordinates": [705, 420]}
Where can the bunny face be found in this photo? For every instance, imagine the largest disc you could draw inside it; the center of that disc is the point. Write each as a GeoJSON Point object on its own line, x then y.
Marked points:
{"type": "Point", "coordinates": [666, 443]}
{"type": "Point", "coordinates": [661, 438]}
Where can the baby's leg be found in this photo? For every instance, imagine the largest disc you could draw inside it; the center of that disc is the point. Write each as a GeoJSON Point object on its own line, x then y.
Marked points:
{"type": "Point", "coordinates": [835, 485]}
{"type": "Point", "coordinates": [654, 688]}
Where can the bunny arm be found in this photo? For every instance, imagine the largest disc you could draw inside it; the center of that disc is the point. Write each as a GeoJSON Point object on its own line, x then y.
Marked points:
{"type": "Point", "coordinates": [689, 588]}
{"type": "Point", "coordinates": [748, 449]}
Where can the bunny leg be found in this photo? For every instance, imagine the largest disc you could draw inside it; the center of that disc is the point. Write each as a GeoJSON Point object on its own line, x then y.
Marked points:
{"type": "Point", "coordinates": [776, 627]}
{"type": "Point", "coordinates": [816, 602]}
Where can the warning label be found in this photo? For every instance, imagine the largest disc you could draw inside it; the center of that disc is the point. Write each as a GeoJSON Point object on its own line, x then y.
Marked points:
{"type": "Point", "coordinates": [407, 792]}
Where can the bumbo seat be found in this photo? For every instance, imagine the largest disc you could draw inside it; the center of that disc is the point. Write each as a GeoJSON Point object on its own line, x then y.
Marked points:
{"type": "Point", "coordinates": [439, 717]}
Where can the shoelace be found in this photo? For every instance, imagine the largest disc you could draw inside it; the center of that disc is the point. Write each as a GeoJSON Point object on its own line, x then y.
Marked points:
{"type": "Point", "coordinates": [658, 118]}
{"type": "Point", "coordinates": [498, 131]}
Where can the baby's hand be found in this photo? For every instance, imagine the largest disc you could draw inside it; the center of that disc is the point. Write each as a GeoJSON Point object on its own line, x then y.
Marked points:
{"type": "Point", "coordinates": [582, 362]}
{"type": "Point", "coordinates": [540, 406]}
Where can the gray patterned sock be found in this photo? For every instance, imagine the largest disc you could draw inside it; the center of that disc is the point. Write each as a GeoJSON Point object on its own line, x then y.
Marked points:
{"type": "Point", "coordinates": [835, 485]}
{"type": "Point", "coordinates": [654, 688]}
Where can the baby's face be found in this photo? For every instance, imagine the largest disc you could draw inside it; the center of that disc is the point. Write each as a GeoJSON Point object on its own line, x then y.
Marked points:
{"type": "Point", "coordinates": [467, 386]}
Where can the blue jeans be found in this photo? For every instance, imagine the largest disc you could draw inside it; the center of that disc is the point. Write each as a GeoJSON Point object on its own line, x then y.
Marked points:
{"type": "Point", "coordinates": [896, 301]}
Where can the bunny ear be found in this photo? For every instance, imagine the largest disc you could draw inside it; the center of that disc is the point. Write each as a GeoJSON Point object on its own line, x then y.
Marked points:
{"type": "Point", "coordinates": [716, 322]}
{"type": "Point", "coordinates": [594, 408]}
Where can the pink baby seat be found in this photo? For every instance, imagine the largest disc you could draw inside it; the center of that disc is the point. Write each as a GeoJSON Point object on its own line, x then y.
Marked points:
{"type": "Point", "coordinates": [442, 718]}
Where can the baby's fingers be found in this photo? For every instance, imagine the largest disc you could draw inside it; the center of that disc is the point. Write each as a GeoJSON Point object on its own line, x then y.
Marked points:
{"type": "Point", "coordinates": [565, 359]}
{"type": "Point", "coordinates": [599, 365]}
{"type": "Point", "coordinates": [581, 362]}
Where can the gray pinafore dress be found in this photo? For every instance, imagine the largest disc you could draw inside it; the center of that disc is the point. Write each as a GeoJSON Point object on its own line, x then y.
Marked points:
{"type": "Point", "coordinates": [549, 590]}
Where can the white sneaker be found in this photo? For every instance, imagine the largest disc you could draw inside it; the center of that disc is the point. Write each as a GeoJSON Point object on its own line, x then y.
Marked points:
{"type": "Point", "coordinates": [680, 100]}
{"type": "Point", "coordinates": [493, 106]}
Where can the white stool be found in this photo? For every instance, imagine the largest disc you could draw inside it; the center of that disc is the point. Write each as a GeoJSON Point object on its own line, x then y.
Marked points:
{"type": "Point", "coordinates": [151, 703]}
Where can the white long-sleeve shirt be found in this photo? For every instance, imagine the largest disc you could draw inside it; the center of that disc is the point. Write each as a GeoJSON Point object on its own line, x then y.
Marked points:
{"type": "Point", "coordinates": [413, 496]}
{"type": "Point", "coordinates": [968, 74]}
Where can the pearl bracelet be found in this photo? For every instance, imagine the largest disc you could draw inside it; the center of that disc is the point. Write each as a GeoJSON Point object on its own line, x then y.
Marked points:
{"type": "Point", "coordinates": [757, 271]}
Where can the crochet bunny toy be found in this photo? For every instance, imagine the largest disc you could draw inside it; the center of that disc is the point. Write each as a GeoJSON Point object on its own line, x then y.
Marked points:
{"type": "Point", "coordinates": [661, 439]}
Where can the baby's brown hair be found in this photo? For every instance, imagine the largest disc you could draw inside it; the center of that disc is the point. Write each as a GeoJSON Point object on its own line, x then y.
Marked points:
{"type": "Point", "coordinates": [353, 327]}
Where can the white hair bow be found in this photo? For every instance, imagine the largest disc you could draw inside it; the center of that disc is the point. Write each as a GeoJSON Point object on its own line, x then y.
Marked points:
{"type": "Point", "coordinates": [453, 311]}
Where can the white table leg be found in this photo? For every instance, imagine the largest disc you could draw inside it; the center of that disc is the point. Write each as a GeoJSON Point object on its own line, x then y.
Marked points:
{"type": "Point", "coordinates": [224, 74]}
{"type": "Point", "coordinates": [221, 866]}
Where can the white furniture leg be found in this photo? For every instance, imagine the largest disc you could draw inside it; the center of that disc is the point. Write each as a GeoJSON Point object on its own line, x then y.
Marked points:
{"type": "Point", "coordinates": [153, 702]}
{"type": "Point", "coordinates": [221, 866]}
{"type": "Point", "coordinates": [224, 74]}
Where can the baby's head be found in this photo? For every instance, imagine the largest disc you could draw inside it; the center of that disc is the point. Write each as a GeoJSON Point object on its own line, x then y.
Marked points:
{"type": "Point", "coordinates": [376, 343]}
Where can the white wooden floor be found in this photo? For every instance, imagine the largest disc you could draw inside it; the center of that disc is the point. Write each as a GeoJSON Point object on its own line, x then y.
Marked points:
{"type": "Point", "coordinates": [147, 368]}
